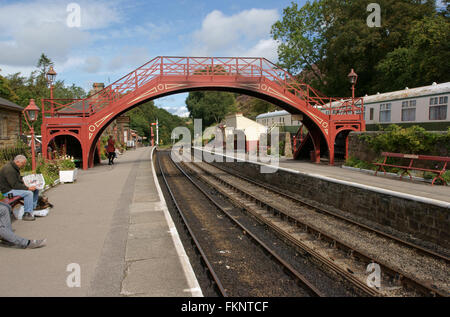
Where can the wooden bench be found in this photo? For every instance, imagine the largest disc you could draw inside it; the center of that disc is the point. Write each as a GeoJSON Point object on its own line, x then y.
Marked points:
{"type": "Point", "coordinates": [410, 166]}
{"type": "Point", "coordinates": [14, 201]}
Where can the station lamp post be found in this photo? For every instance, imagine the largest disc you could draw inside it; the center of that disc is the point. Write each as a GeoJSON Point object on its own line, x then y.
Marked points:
{"type": "Point", "coordinates": [30, 114]}
{"type": "Point", "coordinates": [353, 77]}
{"type": "Point", "coordinates": [50, 76]}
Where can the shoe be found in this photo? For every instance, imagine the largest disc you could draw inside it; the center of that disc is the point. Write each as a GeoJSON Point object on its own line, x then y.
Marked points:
{"type": "Point", "coordinates": [28, 217]}
{"type": "Point", "coordinates": [34, 244]}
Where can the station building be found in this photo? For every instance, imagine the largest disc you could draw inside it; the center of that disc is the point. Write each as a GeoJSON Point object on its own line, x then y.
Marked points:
{"type": "Point", "coordinates": [236, 123]}
{"type": "Point", "coordinates": [10, 123]}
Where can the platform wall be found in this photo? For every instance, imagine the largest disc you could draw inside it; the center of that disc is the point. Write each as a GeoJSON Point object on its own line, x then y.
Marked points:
{"type": "Point", "coordinates": [428, 222]}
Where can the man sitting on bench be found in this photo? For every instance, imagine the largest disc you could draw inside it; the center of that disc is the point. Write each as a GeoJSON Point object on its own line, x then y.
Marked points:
{"type": "Point", "coordinates": [7, 234]}
{"type": "Point", "coordinates": [12, 182]}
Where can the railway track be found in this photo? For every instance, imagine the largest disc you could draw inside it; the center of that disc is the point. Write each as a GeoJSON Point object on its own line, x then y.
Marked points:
{"type": "Point", "coordinates": [269, 206]}
{"type": "Point", "coordinates": [211, 234]}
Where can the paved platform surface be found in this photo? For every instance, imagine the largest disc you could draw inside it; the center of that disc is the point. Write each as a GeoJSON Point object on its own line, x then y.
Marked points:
{"type": "Point", "coordinates": [112, 223]}
{"type": "Point", "coordinates": [436, 192]}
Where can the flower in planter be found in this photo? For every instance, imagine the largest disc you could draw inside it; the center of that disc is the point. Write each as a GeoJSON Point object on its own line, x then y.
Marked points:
{"type": "Point", "coordinates": [66, 163]}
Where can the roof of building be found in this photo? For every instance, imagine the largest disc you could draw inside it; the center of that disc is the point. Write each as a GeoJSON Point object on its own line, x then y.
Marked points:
{"type": "Point", "coordinates": [273, 114]}
{"type": "Point", "coordinates": [6, 104]}
{"type": "Point", "coordinates": [409, 93]}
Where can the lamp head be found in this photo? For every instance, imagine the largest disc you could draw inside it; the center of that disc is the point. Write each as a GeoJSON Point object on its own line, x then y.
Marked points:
{"type": "Point", "coordinates": [51, 74]}
{"type": "Point", "coordinates": [353, 77]}
{"type": "Point", "coordinates": [32, 111]}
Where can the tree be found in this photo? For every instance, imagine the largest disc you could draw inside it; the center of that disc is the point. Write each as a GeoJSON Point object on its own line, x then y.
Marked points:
{"type": "Point", "coordinates": [22, 88]}
{"type": "Point", "coordinates": [142, 116]}
{"type": "Point", "coordinates": [425, 57]}
{"type": "Point", "coordinates": [211, 106]}
{"type": "Point", "coordinates": [301, 33]}
{"type": "Point", "coordinates": [335, 38]}
{"type": "Point", "coordinates": [44, 64]}
{"type": "Point", "coordinates": [6, 90]}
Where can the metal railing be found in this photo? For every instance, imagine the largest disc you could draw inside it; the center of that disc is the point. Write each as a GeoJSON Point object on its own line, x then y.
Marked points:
{"type": "Point", "coordinates": [190, 67]}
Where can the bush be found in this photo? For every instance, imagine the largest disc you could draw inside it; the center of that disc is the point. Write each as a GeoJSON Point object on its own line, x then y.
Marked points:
{"type": "Point", "coordinates": [9, 153]}
{"type": "Point", "coordinates": [412, 140]}
{"type": "Point", "coordinates": [357, 163]}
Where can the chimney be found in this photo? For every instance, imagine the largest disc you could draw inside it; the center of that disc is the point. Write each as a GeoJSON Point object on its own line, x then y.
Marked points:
{"type": "Point", "coordinates": [96, 87]}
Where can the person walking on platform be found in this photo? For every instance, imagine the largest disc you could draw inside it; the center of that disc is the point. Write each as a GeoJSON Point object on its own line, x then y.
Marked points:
{"type": "Point", "coordinates": [111, 150]}
{"type": "Point", "coordinates": [7, 234]}
{"type": "Point", "coordinates": [11, 182]}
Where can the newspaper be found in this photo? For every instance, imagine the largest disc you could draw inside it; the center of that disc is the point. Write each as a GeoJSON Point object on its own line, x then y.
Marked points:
{"type": "Point", "coordinates": [34, 180]}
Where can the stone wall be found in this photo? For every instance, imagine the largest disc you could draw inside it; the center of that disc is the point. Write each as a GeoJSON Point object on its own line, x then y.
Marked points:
{"type": "Point", "coordinates": [427, 222]}
{"type": "Point", "coordinates": [358, 148]}
{"type": "Point", "coordinates": [9, 128]}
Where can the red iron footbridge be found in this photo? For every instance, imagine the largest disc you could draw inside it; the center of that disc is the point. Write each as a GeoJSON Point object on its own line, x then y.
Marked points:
{"type": "Point", "coordinates": [85, 119]}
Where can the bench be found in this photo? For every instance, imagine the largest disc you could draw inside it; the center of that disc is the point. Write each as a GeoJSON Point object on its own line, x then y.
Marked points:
{"type": "Point", "coordinates": [410, 166]}
{"type": "Point", "coordinates": [14, 201]}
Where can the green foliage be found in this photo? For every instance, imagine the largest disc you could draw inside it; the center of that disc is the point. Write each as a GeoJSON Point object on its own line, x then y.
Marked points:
{"type": "Point", "coordinates": [281, 147]}
{"type": "Point", "coordinates": [142, 116]}
{"type": "Point", "coordinates": [357, 163]}
{"type": "Point", "coordinates": [49, 170]}
{"type": "Point", "coordinates": [251, 107]}
{"type": "Point", "coordinates": [412, 140]}
{"type": "Point", "coordinates": [425, 57]}
{"type": "Point", "coordinates": [9, 153]}
{"type": "Point", "coordinates": [20, 89]}
{"type": "Point", "coordinates": [65, 163]}
{"type": "Point", "coordinates": [211, 106]}
{"type": "Point", "coordinates": [326, 38]}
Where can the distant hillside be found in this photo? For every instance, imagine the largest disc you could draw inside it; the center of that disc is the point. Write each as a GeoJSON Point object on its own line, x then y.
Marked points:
{"type": "Point", "coordinates": [142, 116]}
{"type": "Point", "coordinates": [251, 107]}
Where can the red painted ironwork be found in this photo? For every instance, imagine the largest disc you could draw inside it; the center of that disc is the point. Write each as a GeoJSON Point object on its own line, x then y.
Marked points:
{"type": "Point", "coordinates": [324, 117]}
{"type": "Point", "coordinates": [438, 171]}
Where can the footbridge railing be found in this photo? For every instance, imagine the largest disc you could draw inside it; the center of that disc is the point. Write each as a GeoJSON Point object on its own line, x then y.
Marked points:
{"type": "Point", "coordinates": [187, 68]}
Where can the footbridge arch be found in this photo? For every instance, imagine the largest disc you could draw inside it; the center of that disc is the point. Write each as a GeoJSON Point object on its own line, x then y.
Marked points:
{"type": "Point", "coordinates": [323, 116]}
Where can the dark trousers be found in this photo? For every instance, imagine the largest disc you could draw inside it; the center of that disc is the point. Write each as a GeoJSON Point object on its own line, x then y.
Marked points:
{"type": "Point", "coordinates": [111, 156]}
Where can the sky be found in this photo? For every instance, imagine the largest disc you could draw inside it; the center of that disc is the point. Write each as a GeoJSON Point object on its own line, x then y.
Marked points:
{"type": "Point", "coordinates": [114, 37]}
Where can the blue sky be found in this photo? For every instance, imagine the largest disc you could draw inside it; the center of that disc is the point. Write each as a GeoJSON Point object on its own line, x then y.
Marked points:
{"type": "Point", "coordinates": [118, 36]}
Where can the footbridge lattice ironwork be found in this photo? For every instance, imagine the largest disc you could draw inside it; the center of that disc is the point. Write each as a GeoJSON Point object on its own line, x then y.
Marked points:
{"type": "Point", "coordinates": [85, 119]}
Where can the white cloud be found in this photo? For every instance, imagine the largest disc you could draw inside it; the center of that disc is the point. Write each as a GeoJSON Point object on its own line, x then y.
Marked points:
{"type": "Point", "coordinates": [179, 111]}
{"type": "Point", "coordinates": [31, 28]}
{"type": "Point", "coordinates": [243, 33]}
{"type": "Point", "coordinates": [264, 48]}
{"type": "Point", "coordinates": [92, 64]}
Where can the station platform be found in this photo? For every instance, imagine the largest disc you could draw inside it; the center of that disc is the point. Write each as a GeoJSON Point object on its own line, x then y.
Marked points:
{"type": "Point", "coordinates": [419, 191]}
{"type": "Point", "coordinates": [113, 222]}
{"type": "Point", "coordinates": [404, 186]}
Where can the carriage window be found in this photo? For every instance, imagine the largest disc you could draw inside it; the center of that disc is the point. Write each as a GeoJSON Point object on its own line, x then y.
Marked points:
{"type": "Point", "coordinates": [385, 112]}
{"type": "Point", "coordinates": [409, 110]}
{"type": "Point", "coordinates": [438, 108]}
